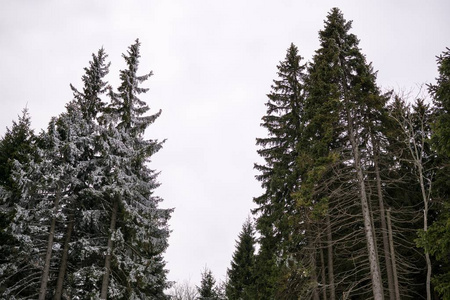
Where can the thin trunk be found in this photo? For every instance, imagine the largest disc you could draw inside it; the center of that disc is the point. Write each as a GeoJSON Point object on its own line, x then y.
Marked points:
{"type": "Point", "coordinates": [377, 286]}
{"type": "Point", "coordinates": [312, 262]}
{"type": "Point", "coordinates": [384, 233]}
{"type": "Point", "coordinates": [48, 255]}
{"type": "Point", "coordinates": [330, 259]}
{"type": "Point", "coordinates": [112, 228]}
{"type": "Point", "coordinates": [425, 228]}
{"type": "Point", "coordinates": [417, 152]}
{"type": "Point", "coordinates": [391, 245]}
{"type": "Point", "coordinates": [324, 277]}
{"type": "Point", "coordinates": [63, 267]}
{"type": "Point", "coordinates": [314, 272]}
{"type": "Point", "coordinates": [375, 273]}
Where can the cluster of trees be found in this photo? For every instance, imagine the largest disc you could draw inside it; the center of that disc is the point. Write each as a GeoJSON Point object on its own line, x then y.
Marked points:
{"type": "Point", "coordinates": [356, 183]}
{"type": "Point", "coordinates": [355, 205]}
{"type": "Point", "coordinates": [209, 289]}
{"type": "Point", "coordinates": [78, 214]}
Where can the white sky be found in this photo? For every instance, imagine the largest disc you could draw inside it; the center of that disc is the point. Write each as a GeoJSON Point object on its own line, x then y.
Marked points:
{"type": "Point", "coordinates": [214, 63]}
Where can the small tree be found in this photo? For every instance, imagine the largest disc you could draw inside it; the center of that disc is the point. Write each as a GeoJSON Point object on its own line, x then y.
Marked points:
{"type": "Point", "coordinates": [241, 272]}
{"type": "Point", "coordinates": [207, 289]}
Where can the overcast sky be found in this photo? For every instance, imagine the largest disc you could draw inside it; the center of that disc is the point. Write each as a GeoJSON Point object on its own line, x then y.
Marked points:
{"type": "Point", "coordinates": [213, 64]}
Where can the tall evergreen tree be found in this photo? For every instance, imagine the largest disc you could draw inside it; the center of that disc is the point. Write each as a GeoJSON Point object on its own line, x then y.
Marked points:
{"type": "Point", "coordinates": [240, 275]}
{"type": "Point", "coordinates": [279, 176]}
{"type": "Point", "coordinates": [138, 230]}
{"type": "Point", "coordinates": [437, 239]}
{"type": "Point", "coordinates": [83, 228]}
{"type": "Point", "coordinates": [341, 93]}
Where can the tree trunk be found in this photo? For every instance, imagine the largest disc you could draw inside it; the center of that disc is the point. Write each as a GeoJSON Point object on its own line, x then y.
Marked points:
{"type": "Point", "coordinates": [375, 274]}
{"type": "Point", "coordinates": [391, 246]}
{"type": "Point", "coordinates": [330, 259]}
{"type": "Point", "coordinates": [324, 277]}
{"type": "Point", "coordinates": [313, 264]}
{"type": "Point", "coordinates": [63, 267]}
{"type": "Point", "coordinates": [387, 257]}
{"type": "Point", "coordinates": [48, 255]}
{"type": "Point", "coordinates": [112, 228]}
{"type": "Point", "coordinates": [425, 228]}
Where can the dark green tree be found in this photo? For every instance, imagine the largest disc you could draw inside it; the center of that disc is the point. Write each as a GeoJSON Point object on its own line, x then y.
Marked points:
{"type": "Point", "coordinates": [342, 100]}
{"type": "Point", "coordinates": [207, 289]}
{"type": "Point", "coordinates": [240, 275]}
{"type": "Point", "coordinates": [437, 239]}
{"type": "Point", "coordinates": [279, 176]}
{"type": "Point", "coordinates": [18, 144]}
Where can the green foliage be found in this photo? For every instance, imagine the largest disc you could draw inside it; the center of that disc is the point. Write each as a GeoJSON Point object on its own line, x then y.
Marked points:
{"type": "Point", "coordinates": [207, 289]}
{"type": "Point", "coordinates": [441, 97]}
{"type": "Point", "coordinates": [279, 176]}
{"type": "Point", "coordinates": [240, 275]}
{"type": "Point", "coordinates": [18, 145]}
{"type": "Point", "coordinates": [266, 274]}
{"type": "Point", "coordinates": [437, 239]}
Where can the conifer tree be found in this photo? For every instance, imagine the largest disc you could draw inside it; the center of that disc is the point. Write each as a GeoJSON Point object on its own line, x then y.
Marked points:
{"type": "Point", "coordinates": [83, 231]}
{"type": "Point", "coordinates": [138, 230]}
{"type": "Point", "coordinates": [207, 289]}
{"type": "Point", "coordinates": [240, 275]}
{"type": "Point", "coordinates": [341, 91]}
{"type": "Point", "coordinates": [437, 239]}
{"type": "Point", "coordinates": [17, 150]}
{"type": "Point", "coordinates": [279, 176]}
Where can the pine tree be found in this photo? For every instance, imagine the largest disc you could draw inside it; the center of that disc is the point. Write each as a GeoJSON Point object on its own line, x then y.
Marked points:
{"type": "Point", "coordinates": [138, 229]}
{"type": "Point", "coordinates": [341, 97]}
{"type": "Point", "coordinates": [207, 288]}
{"type": "Point", "coordinates": [240, 275]}
{"type": "Point", "coordinates": [279, 175]}
{"type": "Point", "coordinates": [437, 239]}
{"type": "Point", "coordinates": [17, 148]}
{"type": "Point", "coordinates": [83, 228]}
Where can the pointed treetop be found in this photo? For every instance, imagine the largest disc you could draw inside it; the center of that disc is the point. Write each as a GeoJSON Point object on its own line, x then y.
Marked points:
{"type": "Point", "coordinates": [93, 85]}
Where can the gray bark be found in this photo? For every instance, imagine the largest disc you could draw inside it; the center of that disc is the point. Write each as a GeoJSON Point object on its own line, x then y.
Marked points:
{"type": "Point", "coordinates": [65, 254]}
{"type": "Point", "coordinates": [48, 255]}
{"type": "Point", "coordinates": [375, 274]}
{"type": "Point", "coordinates": [384, 233]}
{"type": "Point", "coordinates": [392, 250]}
{"type": "Point", "coordinates": [323, 275]}
{"type": "Point", "coordinates": [330, 259]}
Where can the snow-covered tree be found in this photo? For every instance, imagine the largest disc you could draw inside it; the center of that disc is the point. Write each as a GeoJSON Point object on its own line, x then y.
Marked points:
{"type": "Point", "coordinates": [138, 229]}
{"type": "Point", "coordinates": [17, 151]}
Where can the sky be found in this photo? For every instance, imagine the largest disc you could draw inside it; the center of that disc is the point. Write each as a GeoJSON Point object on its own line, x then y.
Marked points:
{"type": "Point", "coordinates": [213, 64]}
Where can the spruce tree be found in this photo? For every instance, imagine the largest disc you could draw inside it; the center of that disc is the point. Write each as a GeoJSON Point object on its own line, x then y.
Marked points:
{"type": "Point", "coordinates": [17, 150]}
{"type": "Point", "coordinates": [138, 230]}
{"type": "Point", "coordinates": [84, 229]}
{"type": "Point", "coordinates": [341, 93]}
{"type": "Point", "coordinates": [207, 288]}
{"type": "Point", "coordinates": [240, 275]}
{"type": "Point", "coordinates": [279, 176]}
{"type": "Point", "coordinates": [437, 239]}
